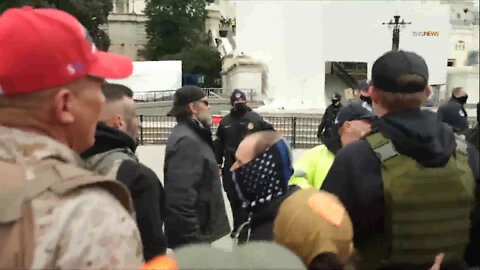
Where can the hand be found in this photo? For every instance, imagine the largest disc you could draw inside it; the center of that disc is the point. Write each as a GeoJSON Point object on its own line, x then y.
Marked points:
{"type": "Point", "coordinates": [438, 262]}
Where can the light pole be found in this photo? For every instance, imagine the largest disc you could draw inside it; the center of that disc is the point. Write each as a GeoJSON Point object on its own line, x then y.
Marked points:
{"type": "Point", "coordinates": [395, 25]}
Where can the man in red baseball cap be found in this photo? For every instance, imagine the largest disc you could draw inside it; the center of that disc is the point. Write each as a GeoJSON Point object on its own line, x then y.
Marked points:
{"type": "Point", "coordinates": [53, 213]}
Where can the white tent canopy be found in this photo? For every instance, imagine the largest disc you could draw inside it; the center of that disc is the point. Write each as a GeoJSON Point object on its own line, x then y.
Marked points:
{"type": "Point", "coordinates": [149, 76]}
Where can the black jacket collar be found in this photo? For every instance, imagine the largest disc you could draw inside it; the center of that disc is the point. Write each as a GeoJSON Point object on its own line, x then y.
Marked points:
{"type": "Point", "coordinates": [107, 138]}
{"type": "Point", "coordinates": [204, 132]}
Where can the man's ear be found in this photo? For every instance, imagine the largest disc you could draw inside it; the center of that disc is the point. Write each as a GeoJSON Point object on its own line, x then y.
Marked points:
{"type": "Point", "coordinates": [117, 121]}
{"type": "Point", "coordinates": [373, 94]}
{"type": "Point", "coordinates": [63, 106]}
{"type": "Point", "coordinates": [428, 91]}
{"type": "Point", "coordinates": [192, 108]}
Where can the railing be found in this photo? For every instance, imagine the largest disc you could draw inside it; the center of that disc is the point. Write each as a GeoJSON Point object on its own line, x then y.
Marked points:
{"type": "Point", "coordinates": [344, 75]}
{"type": "Point", "coordinates": [164, 95]}
{"type": "Point", "coordinates": [213, 93]}
{"type": "Point", "coordinates": [298, 131]}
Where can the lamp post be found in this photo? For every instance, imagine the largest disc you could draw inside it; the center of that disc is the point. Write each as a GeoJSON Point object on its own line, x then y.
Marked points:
{"type": "Point", "coordinates": [395, 25]}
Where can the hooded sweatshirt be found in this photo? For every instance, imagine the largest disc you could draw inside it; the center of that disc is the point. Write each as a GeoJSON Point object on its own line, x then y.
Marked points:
{"type": "Point", "coordinates": [355, 175]}
{"type": "Point", "coordinates": [114, 154]}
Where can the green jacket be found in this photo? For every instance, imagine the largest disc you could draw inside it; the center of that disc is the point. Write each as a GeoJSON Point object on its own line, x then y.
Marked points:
{"type": "Point", "coordinates": [312, 167]}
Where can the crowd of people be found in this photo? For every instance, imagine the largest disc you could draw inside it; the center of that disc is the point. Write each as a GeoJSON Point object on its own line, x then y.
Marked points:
{"type": "Point", "coordinates": [391, 187]}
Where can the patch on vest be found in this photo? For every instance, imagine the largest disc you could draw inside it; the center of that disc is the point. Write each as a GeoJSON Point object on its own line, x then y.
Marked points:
{"type": "Point", "coordinates": [250, 126]}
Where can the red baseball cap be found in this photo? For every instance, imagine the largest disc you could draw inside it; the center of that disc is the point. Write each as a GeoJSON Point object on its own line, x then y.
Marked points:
{"type": "Point", "coordinates": [44, 48]}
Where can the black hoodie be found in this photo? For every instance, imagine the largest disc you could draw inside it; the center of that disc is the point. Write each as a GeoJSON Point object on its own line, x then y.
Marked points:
{"type": "Point", "coordinates": [145, 188]}
{"type": "Point", "coordinates": [355, 175]}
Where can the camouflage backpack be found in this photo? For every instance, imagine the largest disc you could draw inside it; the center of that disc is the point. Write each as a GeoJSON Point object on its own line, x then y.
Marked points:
{"type": "Point", "coordinates": [17, 229]}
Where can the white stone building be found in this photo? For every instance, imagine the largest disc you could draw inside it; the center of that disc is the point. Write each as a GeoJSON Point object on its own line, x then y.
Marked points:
{"type": "Point", "coordinates": [284, 50]}
{"type": "Point", "coordinates": [126, 28]}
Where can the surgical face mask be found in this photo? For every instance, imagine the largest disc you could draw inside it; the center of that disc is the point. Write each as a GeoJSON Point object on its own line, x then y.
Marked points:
{"type": "Point", "coordinates": [462, 100]}
{"type": "Point", "coordinates": [265, 177]}
{"type": "Point", "coordinates": [366, 99]}
{"type": "Point", "coordinates": [240, 107]}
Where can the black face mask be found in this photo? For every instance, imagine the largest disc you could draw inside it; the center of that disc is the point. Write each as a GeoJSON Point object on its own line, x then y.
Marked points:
{"type": "Point", "coordinates": [366, 99]}
{"type": "Point", "coordinates": [462, 100]}
{"type": "Point", "coordinates": [265, 177]}
{"type": "Point", "coordinates": [336, 102]}
{"type": "Point", "coordinates": [240, 107]}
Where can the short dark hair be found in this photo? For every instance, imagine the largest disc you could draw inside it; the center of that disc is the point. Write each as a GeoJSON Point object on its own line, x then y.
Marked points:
{"type": "Point", "coordinates": [114, 92]}
{"type": "Point", "coordinates": [326, 261]}
{"type": "Point", "coordinates": [396, 101]}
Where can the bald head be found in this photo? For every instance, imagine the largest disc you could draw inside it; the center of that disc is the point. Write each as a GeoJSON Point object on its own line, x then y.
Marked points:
{"type": "Point", "coordinates": [458, 92]}
{"type": "Point", "coordinates": [253, 145]}
{"type": "Point", "coordinates": [119, 109]}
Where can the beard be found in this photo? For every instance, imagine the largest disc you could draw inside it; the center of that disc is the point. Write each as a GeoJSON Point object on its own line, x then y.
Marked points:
{"type": "Point", "coordinates": [205, 118]}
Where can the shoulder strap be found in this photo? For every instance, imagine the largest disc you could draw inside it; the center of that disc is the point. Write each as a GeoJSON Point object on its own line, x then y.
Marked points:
{"type": "Point", "coordinates": [105, 162]}
{"type": "Point", "coordinates": [72, 177]}
{"type": "Point", "coordinates": [383, 147]}
{"type": "Point", "coordinates": [12, 191]}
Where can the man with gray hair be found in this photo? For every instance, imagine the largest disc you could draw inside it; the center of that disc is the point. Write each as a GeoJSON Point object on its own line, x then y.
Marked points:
{"type": "Point", "coordinates": [53, 212]}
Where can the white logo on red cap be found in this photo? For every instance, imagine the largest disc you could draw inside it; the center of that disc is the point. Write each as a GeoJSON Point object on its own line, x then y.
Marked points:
{"type": "Point", "coordinates": [70, 69]}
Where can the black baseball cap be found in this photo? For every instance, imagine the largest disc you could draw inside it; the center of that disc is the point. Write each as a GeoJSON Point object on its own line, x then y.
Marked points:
{"type": "Point", "coordinates": [389, 67]}
{"type": "Point", "coordinates": [184, 96]}
{"type": "Point", "coordinates": [354, 111]}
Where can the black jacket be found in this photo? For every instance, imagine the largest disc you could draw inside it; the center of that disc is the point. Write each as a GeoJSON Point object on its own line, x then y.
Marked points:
{"type": "Point", "coordinates": [453, 113]}
{"type": "Point", "coordinates": [195, 206]}
{"type": "Point", "coordinates": [473, 136]}
{"type": "Point", "coordinates": [355, 175]}
{"type": "Point", "coordinates": [326, 129]}
{"type": "Point", "coordinates": [262, 220]}
{"type": "Point", "coordinates": [145, 188]}
{"type": "Point", "coordinates": [232, 130]}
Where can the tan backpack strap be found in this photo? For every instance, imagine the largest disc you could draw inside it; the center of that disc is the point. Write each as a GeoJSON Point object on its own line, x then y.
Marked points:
{"type": "Point", "coordinates": [12, 191]}
{"type": "Point", "coordinates": [73, 177]}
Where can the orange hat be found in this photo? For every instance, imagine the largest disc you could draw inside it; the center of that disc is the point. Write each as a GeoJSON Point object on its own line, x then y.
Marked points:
{"type": "Point", "coordinates": [310, 222]}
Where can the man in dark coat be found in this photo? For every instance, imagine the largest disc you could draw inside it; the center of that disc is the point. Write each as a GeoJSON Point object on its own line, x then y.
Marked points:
{"type": "Point", "coordinates": [231, 131]}
{"type": "Point", "coordinates": [195, 206]}
{"type": "Point", "coordinates": [326, 129]}
{"type": "Point", "coordinates": [399, 88]}
{"type": "Point", "coordinates": [114, 154]}
{"type": "Point", "coordinates": [473, 134]}
{"type": "Point", "coordinates": [453, 112]}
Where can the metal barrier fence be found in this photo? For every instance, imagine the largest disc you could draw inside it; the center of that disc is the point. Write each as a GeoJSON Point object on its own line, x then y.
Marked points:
{"type": "Point", "coordinates": [164, 95]}
{"type": "Point", "coordinates": [298, 131]}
